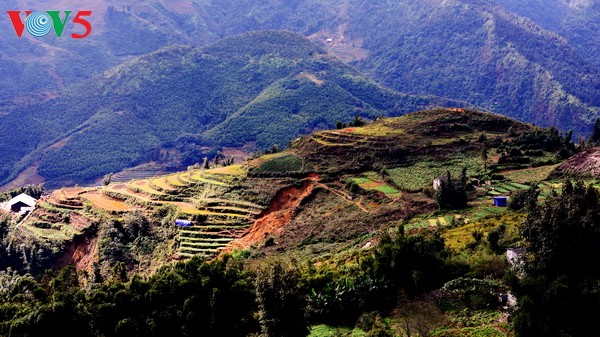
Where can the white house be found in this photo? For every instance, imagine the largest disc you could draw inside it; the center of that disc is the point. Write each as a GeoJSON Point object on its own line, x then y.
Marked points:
{"type": "Point", "coordinates": [21, 204]}
{"type": "Point", "coordinates": [515, 256]}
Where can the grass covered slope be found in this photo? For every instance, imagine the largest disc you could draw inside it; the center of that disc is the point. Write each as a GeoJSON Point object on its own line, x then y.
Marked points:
{"type": "Point", "coordinates": [431, 135]}
{"type": "Point", "coordinates": [331, 206]}
{"type": "Point", "coordinates": [265, 87]}
{"type": "Point", "coordinates": [359, 178]}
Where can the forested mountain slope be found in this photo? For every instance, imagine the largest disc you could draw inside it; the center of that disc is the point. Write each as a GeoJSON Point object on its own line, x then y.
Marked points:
{"type": "Point", "coordinates": [543, 71]}
{"type": "Point", "coordinates": [263, 88]}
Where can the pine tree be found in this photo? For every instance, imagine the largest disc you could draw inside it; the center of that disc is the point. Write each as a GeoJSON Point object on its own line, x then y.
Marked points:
{"type": "Point", "coordinates": [452, 193]}
{"type": "Point", "coordinates": [484, 156]}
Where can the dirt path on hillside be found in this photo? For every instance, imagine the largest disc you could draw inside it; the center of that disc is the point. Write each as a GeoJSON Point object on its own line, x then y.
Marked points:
{"type": "Point", "coordinates": [347, 197]}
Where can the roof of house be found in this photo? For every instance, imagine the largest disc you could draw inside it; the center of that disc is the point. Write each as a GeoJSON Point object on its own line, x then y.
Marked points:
{"type": "Point", "coordinates": [24, 198]}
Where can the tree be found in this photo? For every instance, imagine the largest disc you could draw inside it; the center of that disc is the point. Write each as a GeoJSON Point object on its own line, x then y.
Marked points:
{"type": "Point", "coordinates": [358, 121]}
{"type": "Point", "coordinates": [281, 303]}
{"type": "Point", "coordinates": [451, 193]}
{"type": "Point", "coordinates": [562, 237]}
{"type": "Point", "coordinates": [484, 155]}
{"type": "Point", "coordinates": [218, 158]}
{"type": "Point", "coordinates": [524, 198]}
{"type": "Point", "coordinates": [107, 179]}
{"type": "Point", "coordinates": [419, 318]}
{"type": "Point", "coordinates": [205, 163]}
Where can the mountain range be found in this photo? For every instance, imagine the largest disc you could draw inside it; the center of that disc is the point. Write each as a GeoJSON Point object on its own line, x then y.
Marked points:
{"type": "Point", "coordinates": [531, 62]}
{"type": "Point", "coordinates": [257, 89]}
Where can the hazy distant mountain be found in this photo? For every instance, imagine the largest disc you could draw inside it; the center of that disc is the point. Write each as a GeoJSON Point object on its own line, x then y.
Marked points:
{"type": "Point", "coordinates": [576, 20]}
{"type": "Point", "coordinates": [261, 88]}
{"type": "Point", "coordinates": [463, 49]}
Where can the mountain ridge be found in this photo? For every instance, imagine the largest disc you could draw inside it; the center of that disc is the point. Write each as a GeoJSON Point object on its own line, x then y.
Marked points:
{"type": "Point", "coordinates": [138, 111]}
{"type": "Point", "coordinates": [541, 75]}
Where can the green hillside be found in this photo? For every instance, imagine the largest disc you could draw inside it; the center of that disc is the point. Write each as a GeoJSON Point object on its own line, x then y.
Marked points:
{"type": "Point", "coordinates": [345, 222]}
{"type": "Point", "coordinates": [264, 88]}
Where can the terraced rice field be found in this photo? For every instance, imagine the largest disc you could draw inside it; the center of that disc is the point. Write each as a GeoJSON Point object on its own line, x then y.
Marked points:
{"type": "Point", "coordinates": [48, 233]}
{"type": "Point", "coordinates": [233, 170]}
{"type": "Point", "coordinates": [173, 180]}
{"type": "Point", "coordinates": [338, 138]}
{"type": "Point", "coordinates": [135, 174]}
{"type": "Point", "coordinates": [218, 221]}
{"type": "Point", "coordinates": [122, 191]}
{"type": "Point", "coordinates": [216, 201]}
{"type": "Point", "coordinates": [103, 201]}
{"type": "Point", "coordinates": [144, 186]}
{"type": "Point", "coordinates": [208, 237]}
{"type": "Point", "coordinates": [199, 177]}
{"type": "Point", "coordinates": [162, 184]}
{"type": "Point", "coordinates": [226, 220]}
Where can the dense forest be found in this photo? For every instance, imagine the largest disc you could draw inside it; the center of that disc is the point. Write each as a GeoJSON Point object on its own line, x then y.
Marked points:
{"type": "Point", "coordinates": [264, 88]}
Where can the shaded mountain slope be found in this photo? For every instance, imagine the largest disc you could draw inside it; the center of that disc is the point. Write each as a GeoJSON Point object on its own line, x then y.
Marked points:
{"type": "Point", "coordinates": [265, 87]}
{"type": "Point", "coordinates": [481, 53]}
{"type": "Point", "coordinates": [577, 21]}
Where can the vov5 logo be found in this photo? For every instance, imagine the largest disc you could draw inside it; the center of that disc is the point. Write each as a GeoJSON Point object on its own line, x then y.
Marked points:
{"type": "Point", "coordinates": [39, 24]}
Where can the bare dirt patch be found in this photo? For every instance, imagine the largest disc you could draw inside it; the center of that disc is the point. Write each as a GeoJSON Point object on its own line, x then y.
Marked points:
{"type": "Point", "coordinates": [586, 164]}
{"type": "Point", "coordinates": [81, 253]}
{"type": "Point", "coordinates": [280, 212]}
{"type": "Point", "coordinates": [311, 77]}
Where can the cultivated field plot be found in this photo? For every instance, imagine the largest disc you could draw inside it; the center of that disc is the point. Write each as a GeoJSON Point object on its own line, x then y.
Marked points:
{"type": "Point", "coordinates": [525, 176]}
{"type": "Point", "coordinates": [371, 184]}
{"type": "Point", "coordinates": [225, 220]}
{"type": "Point", "coordinates": [339, 138]}
{"type": "Point", "coordinates": [101, 200]}
{"type": "Point", "coordinates": [233, 170]}
{"type": "Point", "coordinates": [142, 172]}
{"type": "Point", "coordinates": [421, 174]}
{"type": "Point", "coordinates": [282, 164]}
{"type": "Point", "coordinates": [144, 186]}
{"type": "Point", "coordinates": [505, 188]}
{"type": "Point", "coordinates": [216, 221]}
{"type": "Point", "coordinates": [161, 184]}
{"type": "Point", "coordinates": [436, 221]}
